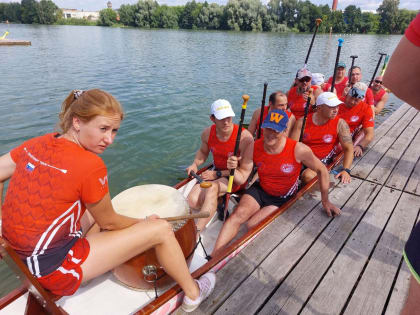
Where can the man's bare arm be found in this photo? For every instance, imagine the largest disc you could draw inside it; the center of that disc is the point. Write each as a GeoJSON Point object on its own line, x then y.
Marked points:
{"type": "Point", "coordinates": [346, 142]}
{"type": "Point", "coordinates": [202, 153]}
{"type": "Point", "coordinates": [252, 128]}
{"type": "Point", "coordinates": [381, 104]}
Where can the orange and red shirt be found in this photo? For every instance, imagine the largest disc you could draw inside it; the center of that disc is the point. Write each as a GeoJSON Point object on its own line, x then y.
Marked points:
{"type": "Point", "coordinates": [339, 86]}
{"type": "Point", "coordinates": [222, 150]}
{"type": "Point", "coordinates": [321, 139]}
{"type": "Point", "coordinates": [361, 114]}
{"type": "Point", "coordinates": [378, 96]}
{"type": "Point", "coordinates": [278, 173]}
{"type": "Point", "coordinates": [53, 181]}
{"type": "Point", "coordinates": [297, 103]}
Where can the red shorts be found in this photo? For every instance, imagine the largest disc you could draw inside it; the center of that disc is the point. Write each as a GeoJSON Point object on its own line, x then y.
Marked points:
{"type": "Point", "coordinates": [66, 279]}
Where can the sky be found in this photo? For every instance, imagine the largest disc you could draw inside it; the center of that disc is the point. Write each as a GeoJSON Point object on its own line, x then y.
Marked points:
{"type": "Point", "coordinates": [96, 5]}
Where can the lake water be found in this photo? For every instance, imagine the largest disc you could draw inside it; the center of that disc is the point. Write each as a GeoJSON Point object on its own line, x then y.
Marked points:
{"type": "Point", "coordinates": [166, 81]}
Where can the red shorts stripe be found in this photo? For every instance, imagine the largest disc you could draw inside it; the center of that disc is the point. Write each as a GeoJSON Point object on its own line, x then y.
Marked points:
{"type": "Point", "coordinates": [66, 279]}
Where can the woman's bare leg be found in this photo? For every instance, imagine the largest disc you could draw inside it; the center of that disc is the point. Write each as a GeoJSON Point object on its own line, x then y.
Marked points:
{"type": "Point", "coordinates": [111, 248]}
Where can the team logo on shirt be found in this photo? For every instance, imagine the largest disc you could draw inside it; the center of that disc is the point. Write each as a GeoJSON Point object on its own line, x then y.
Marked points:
{"type": "Point", "coordinates": [260, 166]}
{"type": "Point", "coordinates": [354, 118]}
{"type": "Point", "coordinates": [287, 168]}
{"type": "Point", "coordinates": [327, 138]}
{"type": "Point", "coordinates": [103, 180]}
{"type": "Point", "coordinates": [30, 167]}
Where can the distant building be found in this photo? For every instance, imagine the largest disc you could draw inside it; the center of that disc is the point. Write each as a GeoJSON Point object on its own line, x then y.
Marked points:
{"type": "Point", "coordinates": [109, 4]}
{"type": "Point", "coordinates": [77, 14]}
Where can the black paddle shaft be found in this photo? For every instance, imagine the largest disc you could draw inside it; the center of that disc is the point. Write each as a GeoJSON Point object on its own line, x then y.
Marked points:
{"type": "Point", "coordinates": [318, 21]}
{"type": "Point", "coordinates": [351, 68]}
{"type": "Point", "coordinates": [262, 110]}
{"type": "Point", "coordinates": [376, 69]}
{"type": "Point", "coordinates": [302, 130]}
{"type": "Point", "coordinates": [340, 43]}
{"type": "Point", "coordinates": [238, 137]}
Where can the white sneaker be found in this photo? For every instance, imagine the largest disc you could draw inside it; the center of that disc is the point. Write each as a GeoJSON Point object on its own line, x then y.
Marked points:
{"type": "Point", "coordinates": [206, 285]}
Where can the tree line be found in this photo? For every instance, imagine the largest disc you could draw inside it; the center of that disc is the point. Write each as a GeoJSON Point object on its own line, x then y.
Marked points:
{"type": "Point", "coordinates": [239, 15]}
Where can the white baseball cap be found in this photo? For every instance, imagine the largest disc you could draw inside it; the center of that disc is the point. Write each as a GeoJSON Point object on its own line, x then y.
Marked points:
{"type": "Point", "coordinates": [317, 78]}
{"type": "Point", "coordinates": [222, 109]}
{"type": "Point", "coordinates": [329, 99]}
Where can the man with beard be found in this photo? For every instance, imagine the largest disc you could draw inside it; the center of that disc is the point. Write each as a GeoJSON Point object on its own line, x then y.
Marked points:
{"type": "Point", "coordinates": [323, 130]}
{"type": "Point", "coordinates": [219, 139]}
{"type": "Point", "coordinates": [358, 113]}
{"type": "Point", "coordinates": [279, 160]}
{"type": "Point", "coordinates": [380, 95]}
{"type": "Point", "coordinates": [356, 76]}
{"type": "Point", "coordinates": [298, 95]}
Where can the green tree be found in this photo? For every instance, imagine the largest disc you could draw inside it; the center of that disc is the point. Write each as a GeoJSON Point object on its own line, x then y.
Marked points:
{"type": "Point", "coordinates": [404, 18]}
{"type": "Point", "coordinates": [165, 17]}
{"type": "Point", "coordinates": [29, 11]}
{"type": "Point", "coordinates": [388, 11]}
{"type": "Point", "coordinates": [370, 22]}
{"type": "Point", "coordinates": [126, 13]}
{"type": "Point", "coordinates": [210, 16]}
{"type": "Point", "coordinates": [13, 12]}
{"type": "Point", "coordinates": [47, 12]}
{"type": "Point", "coordinates": [246, 15]}
{"type": "Point", "coordinates": [189, 16]}
{"type": "Point", "coordinates": [107, 17]}
{"type": "Point", "coordinates": [353, 19]}
{"type": "Point", "coordinates": [289, 10]}
{"type": "Point", "coordinates": [144, 12]}
{"type": "Point", "coordinates": [337, 21]}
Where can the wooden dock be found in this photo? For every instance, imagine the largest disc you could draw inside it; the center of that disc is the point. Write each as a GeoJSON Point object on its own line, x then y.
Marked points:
{"type": "Point", "coordinates": [307, 263]}
{"type": "Point", "coordinates": [12, 42]}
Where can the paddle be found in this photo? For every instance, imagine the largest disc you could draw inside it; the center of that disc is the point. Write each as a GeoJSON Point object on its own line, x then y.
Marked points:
{"type": "Point", "coordinates": [308, 103]}
{"type": "Point", "coordinates": [385, 65]}
{"type": "Point", "coordinates": [235, 152]}
{"type": "Point", "coordinates": [198, 215]}
{"type": "Point", "coordinates": [337, 59]}
{"type": "Point", "coordinates": [317, 22]}
{"type": "Point", "coordinates": [202, 183]}
{"type": "Point", "coordinates": [351, 68]}
{"type": "Point", "coordinates": [262, 110]}
{"type": "Point", "coordinates": [376, 69]}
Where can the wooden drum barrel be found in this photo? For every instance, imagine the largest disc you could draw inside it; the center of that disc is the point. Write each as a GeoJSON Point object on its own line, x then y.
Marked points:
{"type": "Point", "coordinates": [141, 271]}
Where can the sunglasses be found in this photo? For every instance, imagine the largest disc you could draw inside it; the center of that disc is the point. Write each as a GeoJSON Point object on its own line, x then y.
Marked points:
{"type": "Point", "coordinates": [378, 81]}
{"type": "Point", "coordinates": [305, 79]}
{"type": "Point", "coordinates": [354, 93]}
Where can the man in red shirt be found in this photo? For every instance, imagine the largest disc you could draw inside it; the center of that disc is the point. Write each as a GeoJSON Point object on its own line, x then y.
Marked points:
{"type": "Point", "coordinates": [277, 100]}
{"type": "Point", "coordinates": [323, 130]}
{"type": "Point", "coordinates": [380, 96]}
{"type": "Point", "coordinates": [358, 113]}
{"type": "Point", "coordinates": [219, 139]}
{"type": "Point", "coordinates": [356, 76]}
{"type": "Point", "coordinates": [341, 79]}
{"type": "Point", "coordinates": [279, 160]}
{"type": "Point", "coordinates": [298, 95]}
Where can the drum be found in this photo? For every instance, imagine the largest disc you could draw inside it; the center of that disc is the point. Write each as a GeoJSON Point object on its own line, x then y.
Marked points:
{"type": "Point", "coordinates": [143, 272]}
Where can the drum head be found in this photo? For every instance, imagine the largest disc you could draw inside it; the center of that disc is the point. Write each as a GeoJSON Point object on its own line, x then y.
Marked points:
{"type": "Point", "coordinates": [141, 201]}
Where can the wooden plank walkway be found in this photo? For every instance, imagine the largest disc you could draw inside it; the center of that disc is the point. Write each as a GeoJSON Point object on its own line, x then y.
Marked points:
{"type": "Point", "coordinates": [307, 263]}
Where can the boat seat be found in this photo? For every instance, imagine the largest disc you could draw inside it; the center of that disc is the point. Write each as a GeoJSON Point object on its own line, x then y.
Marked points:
{"type": "Point", "coordinates": [40, 301]}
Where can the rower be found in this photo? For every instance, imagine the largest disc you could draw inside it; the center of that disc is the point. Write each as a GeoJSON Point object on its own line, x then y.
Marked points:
{"type": "Point", "coordinates": [356, 76]}
{"type": "Point", "coordinates": [318, 79]}
{"type": "Point", "coordinates": [322, 131]}
{"type": "Point", "coordinates": [358, 113]}
{"type": "Point", "coordinates": [279, 160]}
{"type": "Point", "coordinates": [58, 215]}
{"type": "Point", "coordinates": [341, 79]}
{"type": "Point", "coordinates": [277, 100]}
{"type": "Point", "coordinates": [380, 95]}
{"type": "Point", "coordinates": [219, 139]}
{"type": "Point", "coordinates": [298, 95]}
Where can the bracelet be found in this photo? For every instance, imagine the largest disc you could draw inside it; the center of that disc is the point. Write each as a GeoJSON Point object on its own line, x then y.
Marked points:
{"type": "Point", "coordinates": [360, 146]}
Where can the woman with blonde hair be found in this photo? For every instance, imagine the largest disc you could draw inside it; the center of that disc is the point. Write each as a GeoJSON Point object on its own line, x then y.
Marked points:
{"type": "Point", "coordinates": [54, 179]}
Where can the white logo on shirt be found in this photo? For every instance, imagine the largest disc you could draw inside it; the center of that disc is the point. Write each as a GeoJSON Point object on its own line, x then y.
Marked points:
{"type": "Point", "coordinates": [327, 138]}
{"type": "Point", "coordinates": [354, 118]}
{"type": "Point", "coordinates": [103, 180]}
{"type": "Point", "coordinates": [287, 168]}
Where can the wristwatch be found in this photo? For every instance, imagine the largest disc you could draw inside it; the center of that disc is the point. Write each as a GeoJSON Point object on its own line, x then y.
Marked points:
{"type": "Point", "coordinates": [218, 174]}
{"type": "Point", "coordinates": [361, 147]}
{"type": "Point", "coordinates": [348, 171]}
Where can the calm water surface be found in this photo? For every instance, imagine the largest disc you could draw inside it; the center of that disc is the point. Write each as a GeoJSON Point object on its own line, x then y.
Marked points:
{"type": "Point", "coordinates": [166, 81]}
